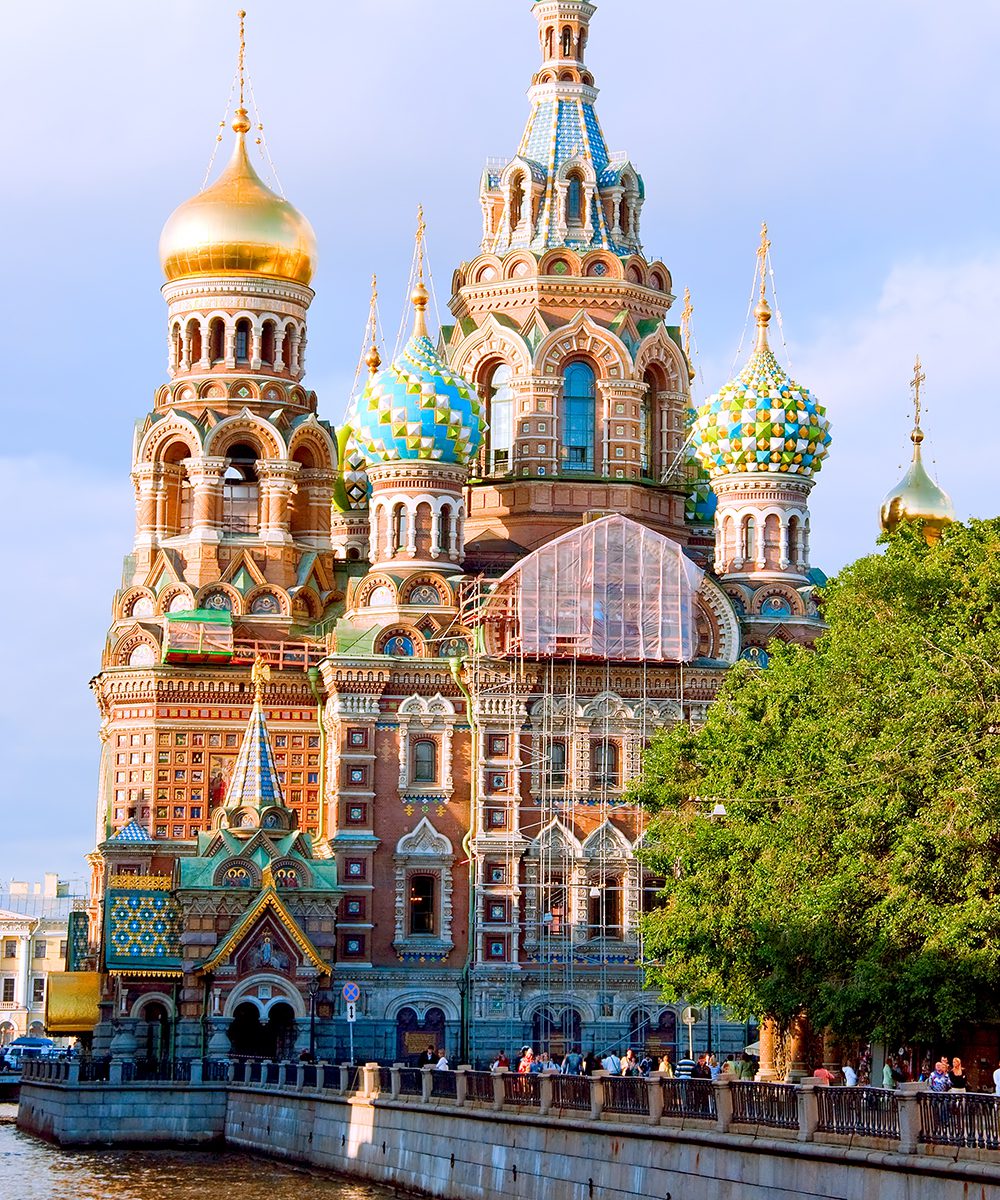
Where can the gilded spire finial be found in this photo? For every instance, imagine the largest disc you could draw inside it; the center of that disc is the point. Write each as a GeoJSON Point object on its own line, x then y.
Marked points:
{"type": "Point", "coordinates": [763, 309]}
{"type": "Point", "coordinates": [686, 314]}
{"type": "Point", "coordinates": [259, 675]}
{"type": "Point", "coordinates": [917, 436]}
{"type": "Point", "coordinates": [374, 359]}
{"type": "Point", "coordinates": [419, 294]}
{"type": "Point", "coordinates": [241, 121]}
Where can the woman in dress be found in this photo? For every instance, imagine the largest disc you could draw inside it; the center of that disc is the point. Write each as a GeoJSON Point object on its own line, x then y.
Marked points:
{"type": "Point", "coordinates": [957, 1076]}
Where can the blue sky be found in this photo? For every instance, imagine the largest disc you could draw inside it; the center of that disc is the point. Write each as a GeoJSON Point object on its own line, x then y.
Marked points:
{"type": "Point", "coordinates": [864, 133]}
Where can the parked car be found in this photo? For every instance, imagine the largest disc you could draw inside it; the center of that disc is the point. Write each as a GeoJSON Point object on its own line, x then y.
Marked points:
{"type": "Point", "coordinates": [28, 1047]}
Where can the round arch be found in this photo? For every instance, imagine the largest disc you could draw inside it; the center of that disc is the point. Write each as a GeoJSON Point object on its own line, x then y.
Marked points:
{"type": "Point", "coordinates": [281, 990]}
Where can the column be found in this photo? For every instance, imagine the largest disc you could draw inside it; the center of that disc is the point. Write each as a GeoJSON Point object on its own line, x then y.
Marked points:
{"type": "Point", "coordinates": [277, 487]}
{"type": "Point", "coordinates": [185, 363]}
{"type": "Point", "coordinates": [315, 494]}
{"type": "Point", "coordinates": [436, 546]}
{"type": "Point", "coordinates": [588, 211]}
{"type": "Point", "coordinates": [229, 345]}
{"type": "Point", "coordinates": [144, 479]}
{"type": "Point", "coordinates": [767, 1072]}
{"type": "Point", "coordinates": [255, 340]}
{"type": "Point", "coordinates": [205, 475]}
{"type": "Point", "coordinates": [616, 200]}
{"type": "Point", "coordinates": [795, 1068]}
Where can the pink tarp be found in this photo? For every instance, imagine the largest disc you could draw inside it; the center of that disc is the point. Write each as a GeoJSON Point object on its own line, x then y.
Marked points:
{"type": "Point", "coordinates": [609, 589]}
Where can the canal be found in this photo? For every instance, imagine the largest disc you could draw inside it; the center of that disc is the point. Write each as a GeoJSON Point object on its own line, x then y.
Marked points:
{"type": "Point", "coordinates": [31, 1169]}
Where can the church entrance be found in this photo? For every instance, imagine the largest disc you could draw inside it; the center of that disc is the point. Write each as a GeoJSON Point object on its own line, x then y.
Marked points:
{"type": "Point", "coordinates": [153, 1035]}
{"type": "Point", "coordinates": [273, 1039]}
{"type": "Point", "coordinates": [414, 1037]}
{"type": "Point", "coordinates": [558, 1031]}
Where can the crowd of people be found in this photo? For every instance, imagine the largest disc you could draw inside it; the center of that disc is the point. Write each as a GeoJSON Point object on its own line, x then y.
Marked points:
{"type": "Point", "coordinates": [576, 1062]}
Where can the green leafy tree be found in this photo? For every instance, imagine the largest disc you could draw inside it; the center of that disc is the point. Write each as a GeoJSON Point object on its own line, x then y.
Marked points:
{"type": "Point", "coordinates": [856, 873]}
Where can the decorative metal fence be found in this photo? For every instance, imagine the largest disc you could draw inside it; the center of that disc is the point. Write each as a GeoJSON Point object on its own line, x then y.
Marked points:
{"type": "Point", "coordinates": [444, 1083]}
{"type": "Point", "coordinates": [773, 1104]}
{"type": "Point", "coordinates": [521, 1090]}
{"type": "Point", "coordinates": [410, 1082]}
{"type": "Point", "coordinates": [870, 1112]}
{"type": "Point", "coordinates": [626, 1094]}
{"type": "Point", "coordinates": [957, 1120]}
{"type": "Point", "coordinates": [571, 1092]}
{"type": "Point", "coordinates": [688, 1098]}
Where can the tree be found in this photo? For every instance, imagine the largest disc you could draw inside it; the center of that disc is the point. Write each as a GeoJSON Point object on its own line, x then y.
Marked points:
{"type": "Point", "coordinates": [855, 873]}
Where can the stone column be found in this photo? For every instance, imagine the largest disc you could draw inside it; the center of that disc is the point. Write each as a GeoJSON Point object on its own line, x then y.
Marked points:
{"type": "Point", "coordinates": [426, 1084]}
{"type": "Point", "coordinates": [654, 1095]}
{"type": "Point", "coordinates": [313, 497]}
{"type": "Point", "coordinates": [545, 1094]}
{"type": "Point", "coordinates": [277, 486]}
{"type": "Point", "coordinates": [144, 480]}
{"type": "Point", "coordinates": [808, 1109]}
{"type": "Point", "coordinates": [908, 1099]}
{"type": "Point", "coordinates": [498, 1096]}
{"type": "Point", "coordinates": [394, 1071]}
{"type": "Point", "coordinates": [219, 1047]}
{"type": "Point", "coordinates": [597, 1094]}
{"type": "Point", "coordinates": [369, 1073]}
{"type": "Point", "coordinates": [768, 1032]}
{"type": "Point", "coordinates": [255, 342]}
{"type": "Point", "coordinates": [206, 475]}
{"type": "Point", "coordinates": [723, 1103]}
{"type": "Point", "coordinates": [462, 1084]}
{"type": "Point", "coordinates": [795, 1068]}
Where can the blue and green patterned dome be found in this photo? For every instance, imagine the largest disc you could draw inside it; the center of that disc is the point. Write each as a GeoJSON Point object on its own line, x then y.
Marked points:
{"type": "Point", "coordinates": [418, 408]}
{"type": "Point", "coordinates": [761, 420]}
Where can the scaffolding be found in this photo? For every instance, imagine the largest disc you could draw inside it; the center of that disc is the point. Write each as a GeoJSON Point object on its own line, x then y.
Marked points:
{"type": "Point", "coordinates": [557, 890]}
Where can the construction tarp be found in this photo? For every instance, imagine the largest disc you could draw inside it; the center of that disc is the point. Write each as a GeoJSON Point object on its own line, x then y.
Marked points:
{"type": "Point", "coordinates": [199, 635]}
{"type": "Point", "coordinates": [71, 1002]}
{"type": "Point", "coordinates": [609, 589]}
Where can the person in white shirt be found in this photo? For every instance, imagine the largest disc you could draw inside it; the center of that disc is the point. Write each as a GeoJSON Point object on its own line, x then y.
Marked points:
{"type": "Point", "coordinates": [996, 1080]}
{"type": "Point", "coordinates": [611, 1063]}
{"type": "Point", "coordinates": [442, 1062]}
{"type": "Point", "coordinates": [850, 1075]}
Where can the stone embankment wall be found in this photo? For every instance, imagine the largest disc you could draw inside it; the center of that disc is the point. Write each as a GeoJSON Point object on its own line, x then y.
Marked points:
{"type": "Point", "coordinates": [476, 1153]}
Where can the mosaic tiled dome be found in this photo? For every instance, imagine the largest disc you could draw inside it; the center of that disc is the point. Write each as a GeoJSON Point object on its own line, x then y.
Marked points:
{"type": "Point", "coordinates": [417, 408]}
{"type": "Point", "coordinates": [761, 420]}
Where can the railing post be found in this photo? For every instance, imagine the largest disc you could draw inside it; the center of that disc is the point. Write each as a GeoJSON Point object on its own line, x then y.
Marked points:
{"type": "Point", "coordinates": [426, 1083]}
{"type": "Point", "coordinates": [115, 1071]}
{"type": "Point", "coordinates": [498, 1075]}
{"type": "Point", "coordinates": [369, 1073]}
{"type": "Point", "coordinates": [654, 1096]}
{"type": "Point", "coordinates": [544, 1093]}
{"type": "Point", "coordinates": [597, 1094]}
{"type": "Point", "coordinates": [345, 1078]}
{"type": "Point", "coordinates": [908, 1100]}
{"type": "Point", "coordinates": [462, 1084]}
{"type": "Point", "coordinates": [808, 1109]}
{"type": "Point", "coordinates": [396, 1081]}
{"type": "Point", "coordinates": [73, 1072]}
{"type": "Point", "coordinates": [300, 1076]}
{"type": "Point", "coordinates": [197, 1071]}
{"type": "Point", "coordinates": [231, 1070]}
{"type": "Point", "coordinates": [723, 1103]}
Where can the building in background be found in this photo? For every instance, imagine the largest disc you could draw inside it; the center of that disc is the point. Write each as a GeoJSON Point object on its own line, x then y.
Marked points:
{"type": "Point", "coordinates": [34, 944]}
{"type": "Point", "coordinates": [372, 697]}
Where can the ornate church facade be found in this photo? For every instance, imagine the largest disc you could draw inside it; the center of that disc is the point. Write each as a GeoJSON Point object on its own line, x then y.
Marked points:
{"type": "Point", "coordinates": [372, 695]}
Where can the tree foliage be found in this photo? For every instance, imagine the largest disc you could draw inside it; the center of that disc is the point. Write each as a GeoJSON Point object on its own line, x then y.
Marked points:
{"type": "Point", "coordinates": [855, 874]}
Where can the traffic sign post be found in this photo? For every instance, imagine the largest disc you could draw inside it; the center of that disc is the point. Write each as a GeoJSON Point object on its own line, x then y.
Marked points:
{"type": "Point", "coordinates": [352, 994]}
{"type": "Point", "coordinates": [690, 1017]}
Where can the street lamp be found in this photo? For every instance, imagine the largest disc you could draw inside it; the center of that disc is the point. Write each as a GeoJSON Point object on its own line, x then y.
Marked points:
{"type": "Point", "coordinates": [313, 989]}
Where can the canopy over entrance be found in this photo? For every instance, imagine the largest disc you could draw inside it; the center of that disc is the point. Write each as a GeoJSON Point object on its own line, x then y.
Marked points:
{"type": "Point", "coordinates": [610, 589]}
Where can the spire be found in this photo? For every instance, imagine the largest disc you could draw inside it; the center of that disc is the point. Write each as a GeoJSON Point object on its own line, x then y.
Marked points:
{"type": "Point", "coordinates": [763, 310]}
{"type": "Point", "coordinates": [419, 294]}
{"type": "Point", "coordinates": [917, 497]}
{"type": "Point", "coordinates": [241, 121]}
{"type": "Point", "coordinates": [254, 783]}
{"type": "Point", "coordinates": [686, 314]}
{"type": "Point", "coordinates": [374, 359]}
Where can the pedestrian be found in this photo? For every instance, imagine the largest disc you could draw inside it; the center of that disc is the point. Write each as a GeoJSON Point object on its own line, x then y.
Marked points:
{"type": "Point", "coordinates": [889, 1074]}
{"type": "Point", "coordinates": [684, 1067]}
{"type": "Point", "coordinates": [572, 1064]}
{"type": "Point", "coordinates": [590, 1063]}
{"type": "Point", "coordinates": [429, 1057]}
{"type": "Point", "coordinates": [701, 1069]}
{"type": "Point", "coordinates": [713, 1066]}
{"type": "Point", "coordinates": [442, 1062]}
{"type": "Point", "coordinates": [611, 1063]}
{"type": "Point", "coordinates": [665, 1067]}
{"type": "Point", "coordinates": [939, 1080]}
{"type": "Point", "coordinates": [850, 1075]}
{"type": "Point", "coordinates": [527, 1058]}
{"type": "Point", "coordinates": [501, 1060]}
{"type": "Point", "coordinates": [957, 1076]}
{"type": "Point", "coordinates": [823, 1075]}
{"type": "Point", "coordinates": [629, 1065]}
{"type": "Point", "coordinates": [996, 1080]}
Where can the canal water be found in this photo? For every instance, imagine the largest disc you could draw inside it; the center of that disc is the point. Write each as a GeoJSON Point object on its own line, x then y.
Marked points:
{"type": "Point", "coordinates": [31, 1169]}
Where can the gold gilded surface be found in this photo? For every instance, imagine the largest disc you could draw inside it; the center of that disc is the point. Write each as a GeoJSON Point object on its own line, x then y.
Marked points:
{"type": "Point", "coordinates": [71, 1002]}
{"type": "Point", "coordinates": [238, 225]}
{"type": "Point", "coordinates": [154, 883]}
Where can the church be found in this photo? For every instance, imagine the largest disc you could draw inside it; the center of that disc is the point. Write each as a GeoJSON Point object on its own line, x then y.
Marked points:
{"type": "Point", "coordinates": [373, 693]}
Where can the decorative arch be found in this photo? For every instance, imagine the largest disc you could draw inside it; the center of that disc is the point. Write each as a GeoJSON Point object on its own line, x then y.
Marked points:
{"type": "Point", "coordinates": [256, 602]}
{"type": "Point", "coordinates": [607, 843]}
{"type": "Point", "coordinates": [564, 254]}
{"type": "Point", "coordinates": [131, 640]}
{"type": "Point", "coordinates": [245, 426]}
{"type": "Point", "coordinates": [167, 597]}
{"type": "Point", "coordinates": [583, 337]}
{"type": "Point", "coordinates": [148, 998]}
{"type": "Point", "coordinates": [140, 597]}
{"type": "Point", "coordinates": [660, 350]}
{"type": "Point", "coordinates": [240, 873]}
{"type": "Point", "coordinates": [436, 581]}
{"type": "Point", "coordinates": [715, 601]}
{"type": "Point", "coordinates": [421, 1002]}
{"type": "Point", "coordinates": [557, 838]}
{"type": "Point", "coordinates": [363, 595]}
{"type": "Point", "coordinates": [210, 589]}
{"type": "Point", "coordinates": [596, 259]}
{"type": "Point", "coordinates": [426, 854]}
{"type": "Point", "coordinates": [607, 705]}
{"type": "Point", "coordinates": [310, 433]}
{"type": "Point", "coordinates": [173, 428]}
{"type": "Point", "coordinates": [281, 992]}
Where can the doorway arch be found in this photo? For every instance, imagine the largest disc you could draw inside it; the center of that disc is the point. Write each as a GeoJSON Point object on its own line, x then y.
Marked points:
{"type": "Point", "coordinates": [556, 1030]}
{"type": "Point", "coordinates": [414, 1036]}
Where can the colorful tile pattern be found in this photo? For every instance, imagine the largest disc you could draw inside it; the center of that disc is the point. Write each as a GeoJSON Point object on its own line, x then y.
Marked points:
{"type": "Point", "coordinates": [143, 930]}
{"type": "Point", "coordinates": [418, 408]}
{"type": "Point", "coordinates": [762, 421]}
{"type": "Point", "coordinates": [254, 782]}
{"type": "Point", "coordinates": [132, 832]}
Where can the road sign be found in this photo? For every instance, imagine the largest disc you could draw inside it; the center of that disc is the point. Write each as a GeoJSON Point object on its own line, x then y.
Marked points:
{"type": "Point", "coordinates": [352, 1011]}
{"type": "Point", "coordinates": [690, 1016]}
{"type": "Point", "coordinates": [352, 993]}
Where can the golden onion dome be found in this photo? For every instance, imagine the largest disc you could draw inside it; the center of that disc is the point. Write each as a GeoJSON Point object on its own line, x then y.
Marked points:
{"type": "Point", "coordinates": [238, 225]}
{"type": "Point", "coordinates": [917, 498]}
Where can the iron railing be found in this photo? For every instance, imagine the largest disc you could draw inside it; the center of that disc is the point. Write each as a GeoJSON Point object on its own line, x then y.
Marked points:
{"type": "Point", "coordinates": [444, 1083]}
{"type": "Point", "coordinates": [688, 1098]}
{"type": "Point", "coordinates": [479, 1086]}
{"type": "Point", "coordinates": [410, 1081]}
{"type": "Point", "coordinates": [571, 1092]}
{"type": "Point", "coordinates": [522, 1090]}
{"type": "Point", "coordinates": [957, 1120]}
{"type": "Point", "coordinates": [772, 1104]}
{"type": "Point", "coordinates": [626, 1094]}
{"type": "Point", "coordinates": [869, 1112]}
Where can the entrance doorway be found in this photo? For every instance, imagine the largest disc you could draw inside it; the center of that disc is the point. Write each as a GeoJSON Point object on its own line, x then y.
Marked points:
{"type": "Point", "coordinates": [414, 1037]}
{"type": "Point", "coordinates": [556, 1032]}
{"type": "Point", "coordinates": [154, 1033]}
{"type": "Point", "coordinates": [273, 1039]}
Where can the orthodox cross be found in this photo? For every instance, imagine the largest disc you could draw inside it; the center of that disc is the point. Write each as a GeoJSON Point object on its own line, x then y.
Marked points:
{"type": "Point", "coordinates": [259, 675]}
{"type": "Point", "coordinates": [762, 251]}
{"type": "Point", "coordinates": [686, 315]}
{"type": "Point", "coordinates": [918, 378]}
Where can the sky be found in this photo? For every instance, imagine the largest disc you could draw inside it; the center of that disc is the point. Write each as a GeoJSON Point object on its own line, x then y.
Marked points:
{"type": "Point", "coordinates": [865, 133]}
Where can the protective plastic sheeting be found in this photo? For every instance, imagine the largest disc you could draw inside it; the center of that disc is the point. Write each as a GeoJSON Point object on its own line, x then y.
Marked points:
{"type": "Point", "coordinates": [612, 589]}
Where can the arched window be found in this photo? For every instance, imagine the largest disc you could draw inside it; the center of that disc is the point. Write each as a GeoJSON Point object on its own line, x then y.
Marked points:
{"type": "Point", "coordinates": [422, 900]}
{"type": "Point", "coordinates": [500, 417]}
{"type": "Point", "coordinates": [604, 764]}
{"type": "Point", "coordinates": [425, 769]}
{"type": "Point", "coordinates": [574, 201]}
{"type": "Point", "coordinates": [216, 340]}
{"type": "Point", "coordinates": [605, 908]}
{"type": "Point", "coordinates": [749, 536]}
{"type": "Point", "coordinates": [567, 42]}
{"type": "Point", "coordinates": [548, 41]}
{"type": "Point", "coordinates": [399, 527]}
{"type": "Point", "coordinates": [557, 764]}
{"type": "Point", "coordinates": [240, 491]}
{"type": "Point", "coordinates": [177, 347]}
{"type": "Point", "coordinates": [646, 428]}
{"type": "Point", "coordinates": [267, 343]}
{"type": "Point", "coordinates": [577, 417]}
{"type": "Point", "coordinates": [794, 554]}
{"type": "Point", "coordinates": [243, 340]}
{"type": "Point", "coordinates": [516, 201]}
{"type": "Point", "coordinates": [286, 348]}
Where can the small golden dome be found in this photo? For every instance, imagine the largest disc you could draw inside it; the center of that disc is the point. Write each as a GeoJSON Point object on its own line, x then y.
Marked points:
{"type": "Point", "coordinates": [238, 225]}
{"type": "Point", "coordinates": [917, 498]}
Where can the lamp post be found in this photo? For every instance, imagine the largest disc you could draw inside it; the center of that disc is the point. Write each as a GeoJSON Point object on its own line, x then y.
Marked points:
{"type": "Point", "coordinates": [313, 989]}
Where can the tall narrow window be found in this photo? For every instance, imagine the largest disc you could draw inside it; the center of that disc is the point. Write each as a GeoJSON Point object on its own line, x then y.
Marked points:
{"type": "Point", "coordinates": [605, 908]}
{"type": "Point", "coordinates": [574, 201]}
{"type": "Point", "coordinates": [240, 492]}
{"type": "Point", "coordinates": [216, 340]}
{"type": "Point", "coordinates": [242, 340]}
{"type": "Point", "coordinates": [516, 201]}
{"type": "Point", "coordinates": [567, 42]}
{"type": "Point", "coordinates": [501, 419]}
{"type": "Point", "coordinates": [604, 764]}
{"type": "Point", "coordinates": [557, 764]}
{"type": "Point", "coordinates": [747, 549]}
{"type": "Point", "coordinates": [425, 761]}
{"type": "Point", "coordinates": [577, 417]}
{"type": "Point", "coordinates": [267, 343]}
{"type": "Point", "coordinates": [422, 903]}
